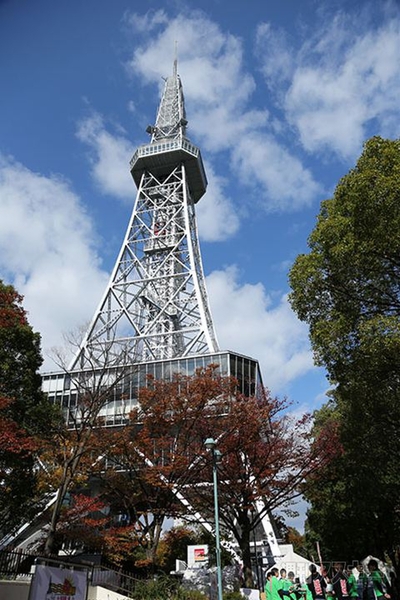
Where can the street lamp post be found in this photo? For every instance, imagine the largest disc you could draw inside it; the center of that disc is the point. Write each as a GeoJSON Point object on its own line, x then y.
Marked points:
{"type": "Point", "coordinates": [252, 511]}
{"type": "Point", "coordinates": [211, 444]}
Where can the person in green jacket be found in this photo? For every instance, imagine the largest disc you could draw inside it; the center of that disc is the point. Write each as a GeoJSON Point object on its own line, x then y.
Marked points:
{"type": "Point", "coordinates": [377, 583]}
{"type": "Point", "coordinates": [293, 586]}
{"type": "Point", "coordinates": [267, 586]}
{"type": "Point", "coordinates": [272, 585]}
{"type": "Point", "coordinates": [284, 583]}
{"type": "Point", "coordinates": [352, 584]}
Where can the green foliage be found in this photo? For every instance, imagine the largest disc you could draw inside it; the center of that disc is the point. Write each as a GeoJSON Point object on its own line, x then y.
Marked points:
{"type": "Point", "coordinates": [20, 360]}
{"type": "Point", "coordinates": [173, 546]}
{"type": "Point", "coordinates": [160, 588]}
{"type": "Point", "coordinates": [164, 588]}
{"type": "Point", "coordinates": [348, 290]}
{"type": "Point", "coordinates": [183, 594]}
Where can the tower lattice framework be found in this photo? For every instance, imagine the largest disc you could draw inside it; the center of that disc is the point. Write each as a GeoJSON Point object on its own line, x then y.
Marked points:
{"type": "Point", "coordinates": [155, 306]}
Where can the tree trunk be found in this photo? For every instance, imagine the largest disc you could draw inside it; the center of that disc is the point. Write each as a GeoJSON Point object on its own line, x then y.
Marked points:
{"type": "Point", "coordinates": [246, 556]}
{"type": "Point", "coordinates": [50, 540]}
{"type": "Point", "coordinates": [154, 541]}
{"type": "Point", "coordinates": [69, 472]}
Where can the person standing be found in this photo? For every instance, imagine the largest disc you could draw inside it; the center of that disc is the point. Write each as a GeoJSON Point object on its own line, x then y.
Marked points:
{"type": "Point", "coordinates": [340, 582]}
{"type": "Point", "coordinates": [316, 584]}
{"type": "Point", "coordinates": [377, 583]}
{"type": "Point", "coordinates": [293, 586]}
{"type": "Point", "coordinates": [353, 584]}
{"type": "Point", "coordinates": [284, 584]}
{"type": "Point", "coordinates": [267, 587]}
{"type": "Point", "coordinates": [273, 585]}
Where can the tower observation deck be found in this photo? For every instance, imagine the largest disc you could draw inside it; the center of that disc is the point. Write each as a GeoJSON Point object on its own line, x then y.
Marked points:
{"type": "Point", "coordinates": [154, 316]}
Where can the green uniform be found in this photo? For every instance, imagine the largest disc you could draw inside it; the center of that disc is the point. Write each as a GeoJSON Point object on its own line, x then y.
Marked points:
{"type": "Point", "coordinates": [267, 589]}
{"type": "Point", "coordinates": [292, 588]}
{"type": "Point", "coordinates": [285, 586]}
{"type": "Point", "coordinates": [272, 587]}
{"type": "Point", "coordinates": [352, 583]}
{"type": "Point", "coordinates": [379, 583]}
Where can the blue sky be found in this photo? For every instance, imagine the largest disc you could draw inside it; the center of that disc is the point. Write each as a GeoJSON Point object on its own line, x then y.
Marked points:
{"type": "Point", "coordinates": [280, 97]}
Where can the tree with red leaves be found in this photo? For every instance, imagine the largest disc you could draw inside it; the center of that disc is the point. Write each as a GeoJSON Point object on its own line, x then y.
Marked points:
{"type": "Point", "coordinates": [163, 469]}
{"type": "Point", "coordinates": [77, 443]}
{"type": "Point", "coordinates": [82, 522]}
{"type": "Point", "coordinates": [25, 414]}
{"type": "Point", "coordinates": [153, 458]}
{"type": "Point", "coordinates": [266, 454]}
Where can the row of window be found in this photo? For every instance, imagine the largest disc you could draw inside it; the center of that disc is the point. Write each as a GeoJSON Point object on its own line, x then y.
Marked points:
{"type": "Point", "coordinates": [63, 388]}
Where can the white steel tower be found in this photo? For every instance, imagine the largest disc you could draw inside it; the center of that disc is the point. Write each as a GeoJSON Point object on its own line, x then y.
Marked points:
{"type": "Point", "coordinates": [155, 306]}
{"type": "Point", "coordinates": [154, 318]}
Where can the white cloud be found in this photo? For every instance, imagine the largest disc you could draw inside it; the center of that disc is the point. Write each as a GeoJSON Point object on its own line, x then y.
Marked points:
{"type": "Point", "coordinates": [47, 250]}
{"type": "Point", "coordinates": [246, 320]}
{"type": "Point", "coordinates": [208, 59]}
{"type": "Point", "coordinates": [216, 216]}
{"type": "Point", "coordinates": [147, 22]}
{"type": "Point", "coordinates": [261, 160]}
{"type": "Point", "coordinates": [218, 90]}
{"type": "Point", "coordinates": [345, 82]}
{"type": "Point", "coordinates": [274, 44]}
{"type": "Point", "coordinates": [109, 157]}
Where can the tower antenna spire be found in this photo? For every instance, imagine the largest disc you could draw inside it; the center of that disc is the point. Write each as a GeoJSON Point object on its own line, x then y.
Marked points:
{"type": "Point", "coordinates": [175, 71]}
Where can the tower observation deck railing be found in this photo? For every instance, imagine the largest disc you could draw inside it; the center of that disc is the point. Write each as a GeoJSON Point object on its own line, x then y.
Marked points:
{"type": "Point", "coordinates": [166, 146]}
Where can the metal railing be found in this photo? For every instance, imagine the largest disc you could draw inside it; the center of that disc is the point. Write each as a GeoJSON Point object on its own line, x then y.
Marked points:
{"type": "Point", "coordinates": [16, 564]}
{"type": "Point", "coordinates": [162, 147]}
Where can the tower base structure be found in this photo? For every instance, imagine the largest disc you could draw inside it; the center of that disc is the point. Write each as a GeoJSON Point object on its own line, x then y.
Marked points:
{"type": "Point", "coordinates": [125, 380]}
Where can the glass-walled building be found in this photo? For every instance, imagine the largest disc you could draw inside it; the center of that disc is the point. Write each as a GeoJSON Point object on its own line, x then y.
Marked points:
{"type": "Point", "coordinates": [122, 383]}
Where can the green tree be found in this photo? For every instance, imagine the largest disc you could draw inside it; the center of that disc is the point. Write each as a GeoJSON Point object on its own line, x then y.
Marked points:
{"type": "Point", "coordinates": [25, 414]}
{"type": "Point", "coordinates": [173, 545]}
{"type": "Point", "coordinates": [347, 288]}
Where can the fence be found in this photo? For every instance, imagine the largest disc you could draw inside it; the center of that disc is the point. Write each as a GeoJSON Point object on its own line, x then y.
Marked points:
{"type": "Point", "coordinates": [15, 564]}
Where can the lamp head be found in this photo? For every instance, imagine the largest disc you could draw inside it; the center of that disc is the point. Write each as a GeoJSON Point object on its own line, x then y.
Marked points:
{"type": "Point", "coordinates": [210, 443]}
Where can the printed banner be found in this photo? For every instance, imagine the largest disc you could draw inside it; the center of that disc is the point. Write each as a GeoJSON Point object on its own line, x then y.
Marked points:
{"type": "Point", "coordinates": [51, 583]}
{"type": "Point", "coordinates": [200, 555]}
